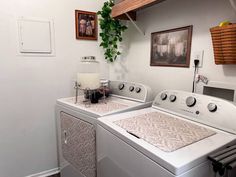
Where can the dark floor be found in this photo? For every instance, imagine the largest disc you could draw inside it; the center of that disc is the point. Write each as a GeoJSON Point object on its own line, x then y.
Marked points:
{"type": "Point", "coordinates": [56, 175]}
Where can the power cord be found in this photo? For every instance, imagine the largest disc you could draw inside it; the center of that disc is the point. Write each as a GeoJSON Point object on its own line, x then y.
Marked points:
{"type": "Point", "coordinates": [196, 63]}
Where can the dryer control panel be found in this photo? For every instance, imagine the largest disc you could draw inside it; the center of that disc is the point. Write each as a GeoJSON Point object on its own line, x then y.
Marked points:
{"type": "Point", "coordinates": [131, 90]}
{"type": "Point", "coordinates": [208, 110]}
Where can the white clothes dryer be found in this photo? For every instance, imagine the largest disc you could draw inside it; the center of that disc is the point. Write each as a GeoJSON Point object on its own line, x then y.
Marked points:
{"type": "Point", "coordinates": [76, 125]}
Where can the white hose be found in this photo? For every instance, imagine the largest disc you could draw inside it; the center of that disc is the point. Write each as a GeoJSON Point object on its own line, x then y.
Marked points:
{"type": "Point", "coordinates": [233, 4]}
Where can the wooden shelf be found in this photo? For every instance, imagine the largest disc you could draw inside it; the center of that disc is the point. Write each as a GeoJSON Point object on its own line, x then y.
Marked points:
{"type": "Point", "coordinates": [131, 6]}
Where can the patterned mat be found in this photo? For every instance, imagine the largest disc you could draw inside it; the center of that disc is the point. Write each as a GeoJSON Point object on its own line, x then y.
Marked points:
{"type": "Point", "coordinates": [163, 131]}
{"type": "Point", "coordinates": [103, 107]}
{"type": "Point", "coordinates": [79, 144]}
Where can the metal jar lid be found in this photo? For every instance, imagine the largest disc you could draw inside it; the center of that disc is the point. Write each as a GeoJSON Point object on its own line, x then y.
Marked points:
{"type": "Point", "coordinates": [89, 59]}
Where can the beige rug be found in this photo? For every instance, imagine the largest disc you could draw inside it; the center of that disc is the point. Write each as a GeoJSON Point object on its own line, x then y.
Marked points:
{"type": "Point", "coordinates": [163, 131]}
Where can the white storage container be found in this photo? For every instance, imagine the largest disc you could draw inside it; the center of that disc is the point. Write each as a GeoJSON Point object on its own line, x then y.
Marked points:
{"type": "Point", "coordinates": [88, 76]}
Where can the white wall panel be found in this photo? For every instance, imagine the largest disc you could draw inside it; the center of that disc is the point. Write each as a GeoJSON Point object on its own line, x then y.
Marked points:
{"type": "Point", "coordinates": [30, 85]}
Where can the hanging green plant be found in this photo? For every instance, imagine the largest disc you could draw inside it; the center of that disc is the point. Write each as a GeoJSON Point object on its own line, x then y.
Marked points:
{"type": "Point", "coordinates": [111, 32]}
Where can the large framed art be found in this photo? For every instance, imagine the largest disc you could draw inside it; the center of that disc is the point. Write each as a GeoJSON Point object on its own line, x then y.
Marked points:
{"type": "Point", "coordinates": [171, 47]}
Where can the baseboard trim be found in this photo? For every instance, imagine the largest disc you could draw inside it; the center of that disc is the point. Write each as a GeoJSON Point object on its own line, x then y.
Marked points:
{"type": "Point", "coordinates": [46, 173]}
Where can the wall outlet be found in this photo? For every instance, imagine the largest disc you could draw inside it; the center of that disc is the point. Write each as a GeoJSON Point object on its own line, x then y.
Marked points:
{"type": "Point", "coordinates": [198, 55]}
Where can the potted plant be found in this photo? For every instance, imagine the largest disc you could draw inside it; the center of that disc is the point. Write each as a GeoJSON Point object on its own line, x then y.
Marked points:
{"type": "Point", "coordinates": [111, 32]}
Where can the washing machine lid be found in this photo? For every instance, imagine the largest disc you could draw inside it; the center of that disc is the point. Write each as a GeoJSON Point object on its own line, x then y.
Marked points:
{"type": "Point", "coordinates": [177, 161]}
{"type": "Point", "coordinates": [110, 106]}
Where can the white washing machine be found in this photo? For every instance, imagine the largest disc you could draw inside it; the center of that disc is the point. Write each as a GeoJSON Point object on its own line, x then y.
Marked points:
{"type": "Point", "coordinates": [173, 138]}
{"type": "Point", "coordinates": [76, 124]}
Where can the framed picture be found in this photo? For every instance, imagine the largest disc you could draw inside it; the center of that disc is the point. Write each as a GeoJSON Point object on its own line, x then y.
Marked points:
{"type": "Point", "coordinates": [86, 25]}
{"type": "Point", "coordinates": [171, 47]}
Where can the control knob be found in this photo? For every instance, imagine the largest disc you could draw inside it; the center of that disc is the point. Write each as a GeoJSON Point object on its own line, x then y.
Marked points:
{"type": "Point", "coordinates": [121, 86]}
{"type": "Point", "coordinates": [172, 98]}
{"type": "Point", "coordinates": [191, 101]}
{"type": "Point", "coordinates": [212, 107]}
{"type": "Point", "coordinates": [131, 88]}
{"type": "Point", "coordinates": [138, 89]}
{"type": "Point", "coordinates": [163, 96]}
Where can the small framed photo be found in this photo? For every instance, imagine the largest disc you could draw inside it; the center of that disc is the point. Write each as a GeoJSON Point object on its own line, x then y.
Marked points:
{"type": "Point", "coordinates": [86, 25]}
{"type": "Point", "coordinates": [171, 47]}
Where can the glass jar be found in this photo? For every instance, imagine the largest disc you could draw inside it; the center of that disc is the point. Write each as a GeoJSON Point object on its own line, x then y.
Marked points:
{"type": "Point", "coordinates": [88, 76]}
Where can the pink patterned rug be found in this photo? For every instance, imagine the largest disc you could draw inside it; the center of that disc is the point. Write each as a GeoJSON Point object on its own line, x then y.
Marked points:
{"type": "Point", "coordinates": [103, 107]}
{"type": "Point", "coordinates": [163, 131]}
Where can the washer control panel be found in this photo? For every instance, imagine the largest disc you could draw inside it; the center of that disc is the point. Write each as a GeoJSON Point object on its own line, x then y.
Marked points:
{"type": "Point", "coordinates": [209, 110]}
{"type": "Point", "coordinates": [131, 90]}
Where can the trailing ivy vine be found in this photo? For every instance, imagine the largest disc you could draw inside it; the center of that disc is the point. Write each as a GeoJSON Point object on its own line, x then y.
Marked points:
{"type": "Point", "coordinates": [111, 32]}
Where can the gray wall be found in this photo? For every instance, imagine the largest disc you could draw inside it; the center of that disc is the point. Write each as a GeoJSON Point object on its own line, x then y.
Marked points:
{"type": "Point", "coordinates": [134, 65]}
{"type": "Point", "coordinates": [29, 86]}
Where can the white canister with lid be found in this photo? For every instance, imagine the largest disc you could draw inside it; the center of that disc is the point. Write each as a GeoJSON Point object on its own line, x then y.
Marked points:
{"type": "Point", "coordinates": [88, 76]}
